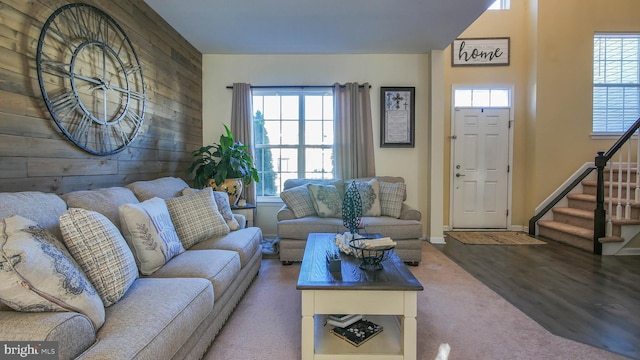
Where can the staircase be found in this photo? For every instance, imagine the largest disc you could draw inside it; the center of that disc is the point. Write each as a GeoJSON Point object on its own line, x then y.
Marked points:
{"type": "Point", "coordinates": [573, 224]}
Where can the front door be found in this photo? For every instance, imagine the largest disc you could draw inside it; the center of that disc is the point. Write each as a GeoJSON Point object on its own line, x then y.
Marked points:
{"type": "Point", "coordinates": [480, 168]}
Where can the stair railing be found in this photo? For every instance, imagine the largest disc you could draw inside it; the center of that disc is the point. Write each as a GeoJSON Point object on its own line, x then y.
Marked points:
{"type": "Point", "coordinates": [602, 225]}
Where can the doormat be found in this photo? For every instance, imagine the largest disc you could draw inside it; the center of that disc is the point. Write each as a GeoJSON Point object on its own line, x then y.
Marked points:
{"type": "Point", "coordinates": [494, 238]}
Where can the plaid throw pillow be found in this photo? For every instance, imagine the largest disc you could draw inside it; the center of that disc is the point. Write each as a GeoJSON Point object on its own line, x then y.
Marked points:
{"type": "Point", "coordinates": [299, 201]}
{"type": "Point", "coordinates": [196, 217]}
{"type": "Point", "coordinates": [391, 197]}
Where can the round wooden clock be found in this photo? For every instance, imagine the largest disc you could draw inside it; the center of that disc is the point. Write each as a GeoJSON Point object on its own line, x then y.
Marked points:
{"type": "Point", "coordinates": [91, 79]}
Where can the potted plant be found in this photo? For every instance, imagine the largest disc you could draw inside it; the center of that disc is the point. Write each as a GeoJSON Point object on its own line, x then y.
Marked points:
{"type": "Point", "coordinates": [217, 163]}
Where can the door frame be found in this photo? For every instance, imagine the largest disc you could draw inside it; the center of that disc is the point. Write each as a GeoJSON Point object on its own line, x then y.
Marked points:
{"type": "Point", "coordinates": [455, 87]}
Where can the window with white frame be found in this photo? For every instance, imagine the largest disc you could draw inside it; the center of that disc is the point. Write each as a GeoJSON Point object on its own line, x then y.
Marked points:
{"type": "Point", "coordinates": [293, 131]}
{"type": "Point", "coordinates": [616, 82]}
{"type": "Point", "coordinates": [500, 5]}
{"type": "Point", "coordinates": [481, 97]}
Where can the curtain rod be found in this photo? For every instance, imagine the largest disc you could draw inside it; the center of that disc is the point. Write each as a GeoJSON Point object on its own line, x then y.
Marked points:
{"type": "Point", "coordinates": [293, 86]}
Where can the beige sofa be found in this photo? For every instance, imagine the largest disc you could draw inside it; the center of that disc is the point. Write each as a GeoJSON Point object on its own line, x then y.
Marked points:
{"type": "Point", "coordinates": [173, 313]}
{"type": "Point", "coordinates": [297, 218]}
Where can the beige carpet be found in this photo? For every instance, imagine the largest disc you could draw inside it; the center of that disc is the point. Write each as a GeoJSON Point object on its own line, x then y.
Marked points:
{"type": "Point", "coordinates": [454, 308]}
{"type": "Point", "coordinates": [494, 238]}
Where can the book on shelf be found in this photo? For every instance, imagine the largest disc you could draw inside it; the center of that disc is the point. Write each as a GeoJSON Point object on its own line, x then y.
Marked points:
{"type": "Point", "coordinates": [357, 333]}
{"type": "Point", "coordinates": [343, 320]}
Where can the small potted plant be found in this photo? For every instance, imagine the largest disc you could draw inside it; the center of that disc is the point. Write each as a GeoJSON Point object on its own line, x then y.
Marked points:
{"type": "Point", "coordinates": [216, 164]}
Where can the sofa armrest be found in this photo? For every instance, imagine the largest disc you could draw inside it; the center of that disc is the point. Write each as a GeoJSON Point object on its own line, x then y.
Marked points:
{"type": "Point", "coordinates": [241, 219]}
{"type": "Point", "coordinates": [409, 213]}
{"type": "Point", "coordinates": [285, 214]}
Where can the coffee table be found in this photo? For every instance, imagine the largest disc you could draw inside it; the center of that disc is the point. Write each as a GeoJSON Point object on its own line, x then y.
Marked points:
{"type": "Point", "coordinates": [387, 297]}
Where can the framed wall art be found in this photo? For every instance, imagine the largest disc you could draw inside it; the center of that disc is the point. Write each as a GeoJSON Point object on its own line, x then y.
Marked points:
{"type": "Point", "coordinates": [397, 116]}
{"type": "Point", "coordinates": [480, 52]}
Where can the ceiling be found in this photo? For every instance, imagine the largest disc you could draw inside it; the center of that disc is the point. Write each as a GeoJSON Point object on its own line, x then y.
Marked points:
{"type": "Point", "coordinates": [319, 26]}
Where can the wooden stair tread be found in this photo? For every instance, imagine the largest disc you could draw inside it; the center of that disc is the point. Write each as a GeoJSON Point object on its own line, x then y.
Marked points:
{"type": "Point", "coordinates": [574, 212]}
{"type": "Point", "coordinates": [610, 239]}
{"type": "Point", "coordinates": [592, 198]}
{"type": "Point", "coordinates": [566, 228]}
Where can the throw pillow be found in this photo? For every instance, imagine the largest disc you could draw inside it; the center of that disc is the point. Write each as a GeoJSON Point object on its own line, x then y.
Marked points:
{"type": "Point", "coordinates": [299, 201]}
{"type": "Point", "coordinates": [224, 207]}
{"type": "Point", "coordinates": [101, 251]}
{"type": "Point", "coordinates": [369, 197]}
{"type": "Point", "coordinates": [38, 274]}
{"type": "Point", "coordinates": [196, 217]}
{"type": "Point", "coordinates": [148, 229]}
{"type": "Point", "coordinates": [391, 198]}
{"type": "Point", "coordinates": [327, 201]}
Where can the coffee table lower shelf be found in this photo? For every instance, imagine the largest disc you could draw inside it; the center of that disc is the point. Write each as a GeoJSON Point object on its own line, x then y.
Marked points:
{"type": "Point", "coordinates": [385, 345]}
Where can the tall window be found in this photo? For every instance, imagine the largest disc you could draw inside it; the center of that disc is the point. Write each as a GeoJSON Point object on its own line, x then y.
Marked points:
{"type": "Point", "coordinates": [294, 136]}
{"type": "Point", "coordinates": [616, 82]}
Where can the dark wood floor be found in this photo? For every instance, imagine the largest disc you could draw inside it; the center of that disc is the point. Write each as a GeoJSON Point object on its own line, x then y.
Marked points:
{"type": "Point", "coordinates": [572, 293]}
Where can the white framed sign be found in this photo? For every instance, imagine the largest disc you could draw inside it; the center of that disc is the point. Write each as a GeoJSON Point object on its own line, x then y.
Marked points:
{"type": "Point", "coordinates": [480, 52]}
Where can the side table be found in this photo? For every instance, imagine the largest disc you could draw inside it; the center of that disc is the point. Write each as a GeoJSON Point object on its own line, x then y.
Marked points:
{"type": "Point", "coordinates": [248, 211]}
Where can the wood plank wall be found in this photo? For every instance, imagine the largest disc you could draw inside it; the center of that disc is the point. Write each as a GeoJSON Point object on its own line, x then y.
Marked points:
{"type": "Point", "coordinates": [35, 155]}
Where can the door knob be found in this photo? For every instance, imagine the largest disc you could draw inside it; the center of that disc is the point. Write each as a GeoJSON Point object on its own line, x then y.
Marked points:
{"type": "Point", "coordinates": [458, 175]}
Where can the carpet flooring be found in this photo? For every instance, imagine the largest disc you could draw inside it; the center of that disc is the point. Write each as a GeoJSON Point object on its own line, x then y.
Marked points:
{"type": "Point", "coordinates": [454, 308]}
{"type": "Point", "coordinates": [494, 238]}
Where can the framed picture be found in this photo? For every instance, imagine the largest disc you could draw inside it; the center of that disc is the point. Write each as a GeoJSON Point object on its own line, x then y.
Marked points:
{"type": "Point", "coordinates": [480, 52]}
{"type": "Point", "coordinates": [397, 116]}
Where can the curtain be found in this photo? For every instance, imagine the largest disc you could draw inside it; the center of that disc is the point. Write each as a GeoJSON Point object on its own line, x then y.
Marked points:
{"type": "Point", "coordinates": [353, 148]}
{"type": "Point", "coordinates": [242, 128]}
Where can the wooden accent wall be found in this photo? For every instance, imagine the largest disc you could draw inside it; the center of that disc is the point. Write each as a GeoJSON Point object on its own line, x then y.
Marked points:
{"type": "Point", "coordinates": [35, 155]}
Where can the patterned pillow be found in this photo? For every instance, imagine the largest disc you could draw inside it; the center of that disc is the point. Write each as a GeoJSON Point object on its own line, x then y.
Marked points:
{"type": "Point", "coordinates": [101, 251]}
{"type": "Point", "coordinates": [299, 201]}
{"type": "Point", "coordinates": [196, 217]}
{"type": "Point", "coordinates": [391, 197]}
{"type": "Point", "coordinates": [370, 197]}
{"type": "Point", "coordinates": [38, 274]}
{"type": "Point", "coordinates": [148, 229]}
{"type": "Point", "coordinates": [224, 207]}
{"type": "Point", "coordinates": [326, 200]}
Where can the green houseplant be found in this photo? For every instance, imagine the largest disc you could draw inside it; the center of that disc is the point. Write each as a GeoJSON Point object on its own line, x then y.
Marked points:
{"type": "Point", "coordinates": [229, 159]}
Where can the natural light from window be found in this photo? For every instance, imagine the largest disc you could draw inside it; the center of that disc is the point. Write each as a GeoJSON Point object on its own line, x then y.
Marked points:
{"type": "Point", "coordinates": [500, 5]}
{"type": "Point", "coordinates": [481, 98]}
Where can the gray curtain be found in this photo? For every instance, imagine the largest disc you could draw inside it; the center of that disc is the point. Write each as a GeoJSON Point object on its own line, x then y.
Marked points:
{"type": "Point", "coordinates": [242, 127]}
{"type": "Point", "coordinates": [353, 146]}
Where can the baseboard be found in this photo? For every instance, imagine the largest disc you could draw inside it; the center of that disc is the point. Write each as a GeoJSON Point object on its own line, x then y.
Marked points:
{"type": "Point", "coordinates": [437, 240]}
{"type": "Point", "coordinates": [629, 251]}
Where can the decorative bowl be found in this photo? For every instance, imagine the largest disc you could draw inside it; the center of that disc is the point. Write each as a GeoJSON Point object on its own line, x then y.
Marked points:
{"type": "Point", "coordinates": [371, 257]}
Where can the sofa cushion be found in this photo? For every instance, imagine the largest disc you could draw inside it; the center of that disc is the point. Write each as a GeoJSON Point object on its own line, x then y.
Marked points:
{"type": "Point", "coordinates": [298, 199]}
{"type": "Point", "coordinates": [369, 197]}
{"type": "Point", "coordinates": [326, 200]}
{"type": "Point", "coordinates": [391, 197]}
{"type": "Point", "coordinates": [73, 331]}
{"type": "Point", "coordinates": [43, 208]}
{"type": "Point", "coordinates": [397, 229]}
{"type": "Point", "coordinates": [164, 188]}
{"type": "Point", "coordinates": [154, 319]}
{"type": "Point", "coordinates": [220, 267]}
{"type": "Point", "coordinates": [104, 201]}
{"type": "Point", "coordinates": [196, 217]}
{"type": "Point", "coordinates": [148, 229]}
{"type": "Point", "coordinates": [101, 251]}
{"type": "Point", "coordinates": [38, 274]}
{"type": "Point", "coordinates": [246, 242]}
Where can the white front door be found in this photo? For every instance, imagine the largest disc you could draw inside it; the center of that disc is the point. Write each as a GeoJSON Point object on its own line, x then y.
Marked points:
{"type": "Point", "coordinates": [480, 168]}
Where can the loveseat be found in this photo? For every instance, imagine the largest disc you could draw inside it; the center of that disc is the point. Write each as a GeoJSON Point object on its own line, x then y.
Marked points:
{"type": "Point", "coordinates": [151, 270]}
{"type": "Point", "coordinates": [315, 205]}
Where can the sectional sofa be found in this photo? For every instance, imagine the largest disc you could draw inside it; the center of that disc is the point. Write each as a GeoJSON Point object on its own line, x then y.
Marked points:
{"type": "Point", "coordinates": [315, 205]}
{"type": "Point", "coordinates": [151, 270]}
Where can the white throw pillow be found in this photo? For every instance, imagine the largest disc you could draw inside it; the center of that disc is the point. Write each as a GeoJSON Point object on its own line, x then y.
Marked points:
{"type": "Point", "coordinates": [196, 217]}
{"type": "Point", "coordinates": [326, 200]}
{"type": "Point", "coordinates": [38, 274]}
{"type": "Point", "coordinates": [148, 229]}
{"type": "Point", "coordinates": [101, 251]}
{"type": "Point", "coordinates": [391, 198]}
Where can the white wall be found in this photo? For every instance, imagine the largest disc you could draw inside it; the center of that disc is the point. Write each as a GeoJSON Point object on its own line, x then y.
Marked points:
{"type": "Point", "coordinates": [220, 71]}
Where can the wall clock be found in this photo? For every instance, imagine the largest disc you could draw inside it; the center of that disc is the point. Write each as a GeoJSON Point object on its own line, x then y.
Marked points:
{"type": "Point", "coordinates": [91, 79]}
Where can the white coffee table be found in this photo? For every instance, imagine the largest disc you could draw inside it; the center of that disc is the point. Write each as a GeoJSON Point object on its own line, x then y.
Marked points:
{"type": "Point", "coordinates": [387, 297]}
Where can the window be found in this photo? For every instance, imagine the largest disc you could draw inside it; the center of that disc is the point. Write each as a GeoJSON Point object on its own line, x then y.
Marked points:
{"type": "Point", "coordinates": [293, 131]}
{"type": "Point", "coordinates": [616, 82]}
{"type": "Point", "coordinates": [500, 5]}
{"type": "Point", "coordinates": [481, 97]}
